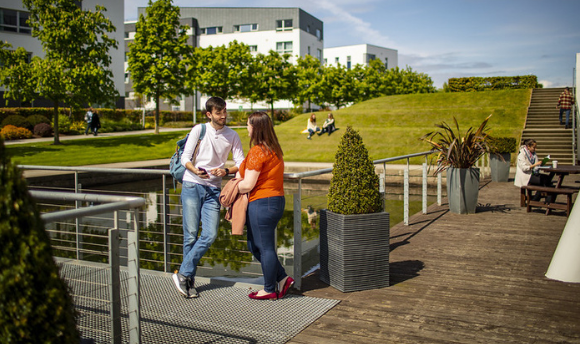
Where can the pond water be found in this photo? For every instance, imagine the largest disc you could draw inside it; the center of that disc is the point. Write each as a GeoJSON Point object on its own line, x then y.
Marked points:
{"type": "Point", "coordinates": [228, 257]}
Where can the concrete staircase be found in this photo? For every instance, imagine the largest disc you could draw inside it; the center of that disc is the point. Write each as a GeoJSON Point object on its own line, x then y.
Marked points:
{"type": "Point", "coordinates": [542, 125]}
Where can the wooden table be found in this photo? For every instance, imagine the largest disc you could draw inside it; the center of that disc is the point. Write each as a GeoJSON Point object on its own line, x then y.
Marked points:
{"type": "Point", "coordinates": [561, 171]}
{"type": "Point", "coordinates": [553, 191]}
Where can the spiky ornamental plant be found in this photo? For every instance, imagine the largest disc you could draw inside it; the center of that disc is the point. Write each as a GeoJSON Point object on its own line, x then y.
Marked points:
{"type": "Point", "coordinates": [354, 187]}
{"type": "Point", "coordinates": [35, 306]}
{"type": "Point", "coordinates": [456, 150]}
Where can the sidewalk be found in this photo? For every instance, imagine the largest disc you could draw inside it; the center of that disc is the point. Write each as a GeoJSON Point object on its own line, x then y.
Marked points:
{"type": "Point", "coordinates": [101, 135]}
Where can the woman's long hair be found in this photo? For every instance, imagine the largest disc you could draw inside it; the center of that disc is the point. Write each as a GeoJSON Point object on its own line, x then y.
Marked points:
{"type": "Point", "coordinates": [313, 119]}
{"type": "Point", "coordinates": [263, 133]}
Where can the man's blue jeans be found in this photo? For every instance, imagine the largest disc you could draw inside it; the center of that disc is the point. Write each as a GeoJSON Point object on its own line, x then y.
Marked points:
{"type": "Point", "coordinates": [261, 220]}
{"type": "Point", "coordinates": [199, 202]}
{"type": "Point", "coordinates": [567, 115]}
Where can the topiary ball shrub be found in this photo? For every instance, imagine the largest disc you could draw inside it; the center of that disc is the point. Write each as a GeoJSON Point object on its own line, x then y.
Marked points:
{"type": "Point", "coordinates": [17, 121]}
{"type": "Point", "coordinates": [11, 132]}
{"type": "Point", "coordinates": [354, 186]}
{"type": "Point", "coordinates": [35, 305]}
{"type": "Point", "coordinates": [42, 130]}
{"type": "Point", "coordinates": [37, 119]}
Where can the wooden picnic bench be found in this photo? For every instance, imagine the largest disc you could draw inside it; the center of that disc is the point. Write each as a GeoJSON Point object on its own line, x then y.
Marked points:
{"type": "Point", "coordinates": [528, 190]}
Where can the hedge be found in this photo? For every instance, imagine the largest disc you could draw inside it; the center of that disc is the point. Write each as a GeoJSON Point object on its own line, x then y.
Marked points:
{"type": "Point", "coordinates": [474, 84]}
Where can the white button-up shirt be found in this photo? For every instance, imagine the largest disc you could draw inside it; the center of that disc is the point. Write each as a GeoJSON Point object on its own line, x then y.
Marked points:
{"type": "Point", "coordinates": [213, 152]}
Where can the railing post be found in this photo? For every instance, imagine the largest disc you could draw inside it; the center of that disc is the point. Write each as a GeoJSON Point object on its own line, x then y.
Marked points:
{"type": "Point", "coordinates": [298, 236]}
{"type": "Point", "coordinates": [439, 191]}
{"type": "Point", "coordinates": [382, 190]}
{"type": "Point", "coordinates": [424, 193]}
{"type": "Point", "coordinates": [165, 205]}
{"type": "Point", "coordinates": [115, 286]}
{"type": "Point", "coordinates": [78, 188]}
{"type": "Point", "coordinates": [133, 295]}
{"type": "Point", "coordinates": [406, 195]}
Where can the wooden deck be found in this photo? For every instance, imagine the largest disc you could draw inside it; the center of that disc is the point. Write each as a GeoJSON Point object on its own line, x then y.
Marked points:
{"type": "Point", "coordinates": [461, 279]}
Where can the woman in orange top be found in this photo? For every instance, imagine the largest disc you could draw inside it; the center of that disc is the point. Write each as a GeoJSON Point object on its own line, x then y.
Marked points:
{"type": "Point", "coordinates": [263, 177]}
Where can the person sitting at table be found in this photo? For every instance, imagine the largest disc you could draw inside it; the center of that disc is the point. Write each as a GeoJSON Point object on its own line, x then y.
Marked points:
{"type": "Point", "coordinates": [528, 171]}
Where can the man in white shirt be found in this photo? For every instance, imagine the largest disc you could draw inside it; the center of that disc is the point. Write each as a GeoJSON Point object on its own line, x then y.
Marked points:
{"type": "Point", "coordinates": [201, 188]}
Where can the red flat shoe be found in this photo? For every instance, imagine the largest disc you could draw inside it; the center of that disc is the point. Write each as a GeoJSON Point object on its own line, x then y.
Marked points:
{"type": "Point", "coordinates": [289, 282]}
{"type": "Point", "coordinates": [270, 296]}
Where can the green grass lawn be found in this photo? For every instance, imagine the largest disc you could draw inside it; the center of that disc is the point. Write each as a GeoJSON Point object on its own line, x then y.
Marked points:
{"type": "Point", "coordinates": [390, 126]}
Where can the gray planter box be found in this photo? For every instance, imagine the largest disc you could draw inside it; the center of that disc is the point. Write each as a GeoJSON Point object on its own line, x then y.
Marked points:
{"type": "Point", "coordinates": [463, 189]}
{"type": "Point", "coordinates": [354, 250]}
{"type": "Point", "coordinates": [500, 170]}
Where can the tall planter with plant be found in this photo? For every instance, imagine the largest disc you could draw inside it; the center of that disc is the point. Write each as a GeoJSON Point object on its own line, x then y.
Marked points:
{"type": "Point", "coordinates": [458, 155]}
{"type": "Point", "coordinates": [500, 149]}
{"type": "Point", "coordinates": [354, 230]}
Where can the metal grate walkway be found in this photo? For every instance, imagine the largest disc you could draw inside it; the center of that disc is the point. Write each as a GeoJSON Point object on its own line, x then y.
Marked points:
{"type": "Point", "coordinates": [223, 313]}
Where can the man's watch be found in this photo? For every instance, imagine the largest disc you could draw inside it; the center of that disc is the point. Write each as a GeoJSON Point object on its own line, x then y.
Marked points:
{"type": "Point", "coordinates": [227, 171]}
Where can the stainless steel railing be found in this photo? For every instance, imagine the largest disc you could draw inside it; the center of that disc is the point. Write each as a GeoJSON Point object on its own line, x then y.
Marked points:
{"type": "Point", "coordinates": [115, 204]}
{"type": "Point", "coordinates": [297, 216]}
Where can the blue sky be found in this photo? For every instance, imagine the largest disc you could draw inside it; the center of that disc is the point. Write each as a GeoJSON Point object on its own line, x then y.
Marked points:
{"type": "Point", "coordinates": [447, 38]}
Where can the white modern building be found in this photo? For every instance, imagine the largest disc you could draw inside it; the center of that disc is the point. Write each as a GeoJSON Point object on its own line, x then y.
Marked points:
{"type": "Point", "coordinates": [351, 55]}
{"type": "Point", "coordinates": [285, 30]}
{"type": "Point", "coordinates": [15, 30]}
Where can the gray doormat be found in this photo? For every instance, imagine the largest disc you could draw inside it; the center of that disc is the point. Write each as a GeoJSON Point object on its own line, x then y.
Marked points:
{"type": "Point", "coordinates": [222, 313]}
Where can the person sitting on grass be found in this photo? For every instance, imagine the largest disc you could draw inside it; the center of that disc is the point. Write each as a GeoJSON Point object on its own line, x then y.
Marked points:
{"type": "Point", "coordinates": [328, 126]}
{"type": "Point", "coordinates": [311, 126]}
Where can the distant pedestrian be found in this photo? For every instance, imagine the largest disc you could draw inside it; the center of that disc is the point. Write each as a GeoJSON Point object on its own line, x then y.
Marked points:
{"type": "Point", "coordinates": [88, 119]}
{"type": "Point", "coordinates": [565, 103]}
{"type": "Point", "coordinates": [95, 123]}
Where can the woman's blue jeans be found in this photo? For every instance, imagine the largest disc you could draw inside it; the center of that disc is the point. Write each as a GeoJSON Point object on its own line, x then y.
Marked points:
{"type": "Point", "coordinates": [261, 220]}
{"type": "Point", "coordinates": [200, 203]}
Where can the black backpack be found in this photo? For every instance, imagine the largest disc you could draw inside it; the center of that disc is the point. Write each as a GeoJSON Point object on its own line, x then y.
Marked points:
{"type": "Point", "coordinates": [176, 169]}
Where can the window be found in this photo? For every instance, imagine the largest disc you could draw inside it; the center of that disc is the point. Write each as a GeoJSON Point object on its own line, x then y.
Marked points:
{"type": "Point", "coordinates": [308, 28]}
{"type": "Point", "coordinates": [371, 57]}
{"type": "Point", "coordinates": [246, 28]}
{"type": "Point", "coordinates": [319, 55]}
{"type": "Point", "coordinates": [348, 62]}
{"type": "Point", "coordinates": [308, 51]}
{"type": "Point", "coordinates": [325, 61]}
{"type": "Point", "coordinates": [211, 30]}
{"type": "Point", "coordinates": [336, 60]}
{"type": "Point", "coordinates": [14, 21]}
{"type": "Point", "coordinates": [386, 62]}
{"type": "Point", "coordinates": [253, 48]}
{"type": "Point", "coordinates": [319, 34]}
{"type": "Point", "coordinates": [284, 47]}
{"type": "Point", "coordinates": [284, 25]}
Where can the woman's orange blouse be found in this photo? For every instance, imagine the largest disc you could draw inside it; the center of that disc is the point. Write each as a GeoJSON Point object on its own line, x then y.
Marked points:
{"type": "Point", "coordinates": [270, 182]}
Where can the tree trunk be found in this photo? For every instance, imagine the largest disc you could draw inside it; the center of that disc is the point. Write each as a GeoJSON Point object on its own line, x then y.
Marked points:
{"type": "Point", "coordinates": [156, 112]}
{"type": "Point", "coordinates": [55, 121]}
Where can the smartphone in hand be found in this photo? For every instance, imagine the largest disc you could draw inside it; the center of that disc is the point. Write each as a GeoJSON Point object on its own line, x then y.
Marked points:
{"type": "Point", "coordinates": [203, 170]}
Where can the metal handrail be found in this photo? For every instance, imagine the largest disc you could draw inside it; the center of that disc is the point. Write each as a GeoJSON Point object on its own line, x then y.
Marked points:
{"type": "Point", "coordinates": [113, 203]}
{"type": "Point", "coordinates": [299, 176]}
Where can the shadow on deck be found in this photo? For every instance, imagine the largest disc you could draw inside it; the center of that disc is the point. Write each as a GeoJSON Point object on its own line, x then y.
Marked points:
{"type": "Point", "coordinates": [461, 278]}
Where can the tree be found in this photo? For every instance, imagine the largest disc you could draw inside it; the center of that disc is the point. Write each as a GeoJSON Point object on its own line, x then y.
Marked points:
{"type": "Point", "coordinates": [309, 75]}
{"type": "Point", "coordinates": [220, 71]}
{"type": "Point", "coordinates": [338, 86]}
{"type": "Point", "coordinates": [16, 74]}
{"type": "Point", "coordinates": [276, 78]}
{"type": "Point", "coordinates": [75, 68]}
{"type": "Point", "coordinates": [157, 56]}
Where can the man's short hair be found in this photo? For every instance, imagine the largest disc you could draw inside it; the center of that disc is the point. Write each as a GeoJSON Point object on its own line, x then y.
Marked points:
{"type": "Point", "coordinates": [216, 103]}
